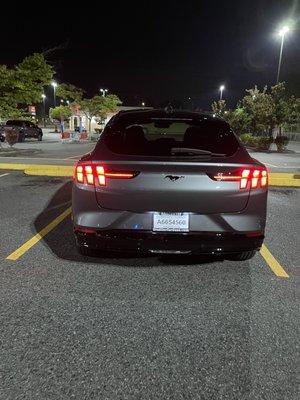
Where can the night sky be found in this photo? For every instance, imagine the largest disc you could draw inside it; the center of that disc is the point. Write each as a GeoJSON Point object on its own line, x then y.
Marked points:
{"type": "Point", "coordinates": [159, 51]}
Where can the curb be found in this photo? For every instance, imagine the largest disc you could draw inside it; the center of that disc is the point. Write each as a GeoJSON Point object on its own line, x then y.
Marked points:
{"type": "Point", "coordinates": [41, 170]}
{"type": "Point", "coordinates": [284, 179]}
{"type": "Point", "coordinates": [275, 178]}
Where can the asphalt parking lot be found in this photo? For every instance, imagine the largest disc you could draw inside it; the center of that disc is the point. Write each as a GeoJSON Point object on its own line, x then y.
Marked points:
{"type": "Point", "coordinates": [143, 327]}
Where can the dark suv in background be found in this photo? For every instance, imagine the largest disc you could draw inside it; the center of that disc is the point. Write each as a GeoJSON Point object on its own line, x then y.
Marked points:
{"type": "Point", "coordinates": [26, 129]}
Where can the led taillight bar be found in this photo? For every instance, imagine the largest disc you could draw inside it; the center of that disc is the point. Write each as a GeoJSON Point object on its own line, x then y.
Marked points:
{"type": "Point", "coordinates": [89, 173]}
{"type": "Point", "coordinates": [256, 177]}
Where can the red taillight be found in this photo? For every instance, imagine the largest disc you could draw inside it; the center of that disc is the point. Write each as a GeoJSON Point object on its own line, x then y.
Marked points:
{"type": "Point", "coordinates": [101, 175]}
{"type": "Point", "coordinates": [92, 174]}
{"type": "Point", "coordinates": [79, 174]}
{"type": "Point", "coordinates": [264, 178]}
{"type": "Point", "coordinates": [89, 174]}
{"type": "Point", "coordinates": [247, 177]}
{"type": "Point", "coordinates": [244, 178]}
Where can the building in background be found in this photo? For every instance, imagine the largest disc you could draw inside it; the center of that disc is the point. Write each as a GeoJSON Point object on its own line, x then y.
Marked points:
{"type": "Point", "coordinates": [79, 121]}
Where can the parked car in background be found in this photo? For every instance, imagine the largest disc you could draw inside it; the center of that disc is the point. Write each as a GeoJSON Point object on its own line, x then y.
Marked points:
{"type": "Point", "coordinates": [2, 137]}
{"type": "Point", "coordinates": [27, 129]}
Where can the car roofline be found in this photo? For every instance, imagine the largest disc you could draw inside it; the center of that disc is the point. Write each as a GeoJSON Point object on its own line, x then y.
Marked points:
{"type": "Point", "coordinates": [160, 112]}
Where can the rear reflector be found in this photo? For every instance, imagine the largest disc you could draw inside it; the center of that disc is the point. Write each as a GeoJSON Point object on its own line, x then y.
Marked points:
{"type": "Point", "coordinates": [80, 229]}
{"type": "Point", "coordinates": [97, 174]}
{"type": "Point", "coordinates": [254, 234]}
{"type": "Point", "coordinates": [248, 178]}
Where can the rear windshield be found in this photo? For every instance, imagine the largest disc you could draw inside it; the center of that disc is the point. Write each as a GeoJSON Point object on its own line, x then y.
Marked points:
{"type": "Point", "coordinates": [170, 137]}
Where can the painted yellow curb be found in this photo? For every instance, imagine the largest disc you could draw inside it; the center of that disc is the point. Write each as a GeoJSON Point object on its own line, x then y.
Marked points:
{"type": "Point", "coordinates": [43, 170]}
{"type": "Point", "coordinates": [18, 167]}
{"type": "Point", "coordinates": [50, 170]}
{"type": "Point", "coordinates": [284, 179]}
{"type": "Point", "coordinates": [275, 178]}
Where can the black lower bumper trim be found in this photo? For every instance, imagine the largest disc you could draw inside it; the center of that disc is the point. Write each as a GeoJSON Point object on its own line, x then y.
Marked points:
{"type": "Point", "coordinates": [148, 241]}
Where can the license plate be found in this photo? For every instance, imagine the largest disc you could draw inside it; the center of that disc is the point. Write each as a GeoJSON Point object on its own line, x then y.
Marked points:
{"type": "Point", "coordinates": [171, 222]}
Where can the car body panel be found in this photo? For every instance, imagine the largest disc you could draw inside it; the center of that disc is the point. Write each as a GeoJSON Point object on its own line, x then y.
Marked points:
{"type": "Point", "coordinates": [125, 208]}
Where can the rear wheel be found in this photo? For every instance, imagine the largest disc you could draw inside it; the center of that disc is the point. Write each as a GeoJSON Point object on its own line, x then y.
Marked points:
{"type": "Point", "coordinates": [40, 137]}
{"type": "Point", "coordinates": [243, 256]}
{"type": "Point", "coordinates": [21, 137]}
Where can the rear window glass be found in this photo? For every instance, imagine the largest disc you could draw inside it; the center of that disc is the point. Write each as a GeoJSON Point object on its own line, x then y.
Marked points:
{"type": "Point", "coordinates": [170, 137]}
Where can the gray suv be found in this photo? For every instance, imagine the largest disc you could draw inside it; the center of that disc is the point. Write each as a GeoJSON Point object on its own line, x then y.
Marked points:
{"type": "Point", "coordinates": [168, 182]}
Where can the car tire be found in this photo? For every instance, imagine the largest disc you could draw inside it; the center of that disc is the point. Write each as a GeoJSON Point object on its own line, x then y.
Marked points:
{"type": "Point", "coordinates": [40, 137]}
{"type": "Point", "coordinates": [21, 137]}
{"type": "Point", "coordinates": [243, 256]}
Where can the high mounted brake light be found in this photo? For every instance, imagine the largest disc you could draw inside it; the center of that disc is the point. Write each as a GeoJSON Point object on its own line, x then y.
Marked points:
{"type": "Point", "coordinates": [248, 178]}
{"type": "Point", "coordinates": [93, 174]}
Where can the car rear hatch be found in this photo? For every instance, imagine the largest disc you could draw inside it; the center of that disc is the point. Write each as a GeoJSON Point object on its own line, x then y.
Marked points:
{"type": "Point", "coordinates": [170, 187]}
{"type": "Point", "coordinates": [170, 163]}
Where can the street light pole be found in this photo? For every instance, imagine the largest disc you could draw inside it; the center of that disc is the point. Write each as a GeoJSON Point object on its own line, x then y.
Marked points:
{"type": "Point", "coordinates": [54, 84]}
{"type": "Point", "coordinates": [222, 87]}
{"type": "Point", "coordinates": [44, 108]}
{"type": "Point", "coordinates": [282, 33]}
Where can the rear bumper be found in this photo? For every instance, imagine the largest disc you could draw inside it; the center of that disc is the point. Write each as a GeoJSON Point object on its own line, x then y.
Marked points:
{"type": "Point", "coordinates": [152, 242]}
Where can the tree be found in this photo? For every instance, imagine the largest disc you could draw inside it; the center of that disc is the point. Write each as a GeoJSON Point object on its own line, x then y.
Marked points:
{"type": "Point", "coordinates": [292, 111]}
{"type": "Point", "coordinates": [286, 108]}
{"type": "Point", "coordinates": [280, 100]}
{"type": "Point", "coordinates": [69, 92]}
{"type": "Point", "coordinates": [259, 106]}
{"type": "Point", "coordinates": [219, 107]}
{"type": "Point", "coordinates": [23, 84]}
{"type": "Point", "coordinates": [99, 107]}
{"type": "Point", "coordinates": [239, 120]}
{"type": "Point", "coordinates": [60, 113]}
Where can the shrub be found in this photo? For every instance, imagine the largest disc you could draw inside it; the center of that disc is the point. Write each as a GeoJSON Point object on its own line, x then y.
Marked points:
{"type": "Point", "coordinates": [11, 136]}
{"type": "Point", "coordinates": [246, 138]}
{"type": "Point", "coordinates": [257, 142]}
{"type": "Point", "coordinates": [263, 142]}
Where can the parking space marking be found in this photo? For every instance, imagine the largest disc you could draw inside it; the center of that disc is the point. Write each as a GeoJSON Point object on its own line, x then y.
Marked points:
{"type": "Point", "coordinates": [273, 263]}
{"type": "Point", "coordinates": [2, 175]}
{"type": "Point", "coordinates": [36, 238]}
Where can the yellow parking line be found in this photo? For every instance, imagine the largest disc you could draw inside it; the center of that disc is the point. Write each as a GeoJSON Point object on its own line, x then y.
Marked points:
{"type": "Point", "coordinates": [273, 263]}
{"type": "Point", "coordinates": [36, 238]}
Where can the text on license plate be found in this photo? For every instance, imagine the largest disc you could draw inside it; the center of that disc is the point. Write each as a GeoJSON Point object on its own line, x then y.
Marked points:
{"type": "Point", "coordinates": [172, 222]}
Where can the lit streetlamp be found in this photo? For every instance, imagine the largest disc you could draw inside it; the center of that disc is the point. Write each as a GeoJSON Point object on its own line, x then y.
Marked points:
{"type": "Point", "coordinates": [143, 104]}
{"type": "Point", "coordinates": [222, 87]}
{"type": "Point", "coordinates": [103, 91]}
{"type": "Point", "coordinates": [44, 108]}
{"type": "Point", "coordinates": [283, 31]}
{"type": "Point", "coordinates": [54, 84]}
